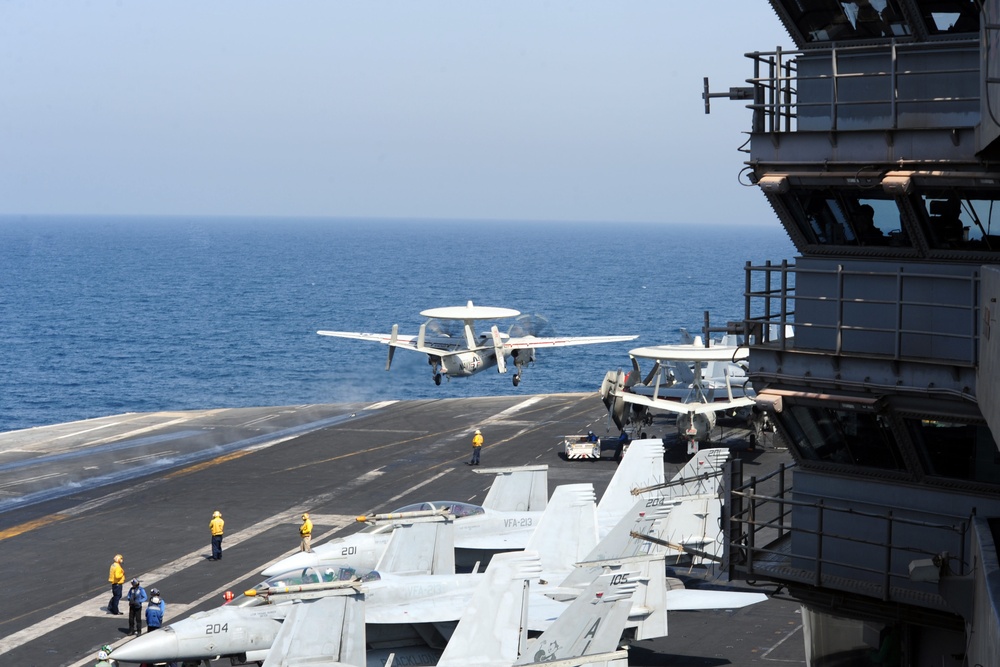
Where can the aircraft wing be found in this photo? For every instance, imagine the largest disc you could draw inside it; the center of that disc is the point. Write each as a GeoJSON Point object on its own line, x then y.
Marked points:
{"type": "Point", "coordinates": [533, 342]}
{"type": "Point", "coordinates": [690, 599]}
{"type": "Point", "coordinates": [685, 408]}
{"type": "Point", "coordinates": [324, 633]}
{"type": "Point", "coordinates": [507, 541]}
{"type": "Point", "coordinates": [432, 345]}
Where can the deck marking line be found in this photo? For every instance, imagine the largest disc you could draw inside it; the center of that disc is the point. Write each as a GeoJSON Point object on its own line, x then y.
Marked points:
{"type": "Point", "coordinates": [780, 642]}
{"type": "Point", "coordinates": [88, 430]}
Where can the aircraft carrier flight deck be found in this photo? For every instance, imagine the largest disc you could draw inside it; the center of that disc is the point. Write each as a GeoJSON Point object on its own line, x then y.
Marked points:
{"type": "Point", "coordinates": [145, 486]}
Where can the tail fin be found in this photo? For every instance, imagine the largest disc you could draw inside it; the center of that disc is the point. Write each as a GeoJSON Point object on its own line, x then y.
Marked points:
{"type": "Point", "coordinates": [641, 466]}
{"type": "Point", "coordinates": [647, 517]}
{"type": "Point", "coordinates": [490, 630]}
{"type": "Point", "coordinates": [590, 627]}
{"type": "Point", "coordinates": [649, 608]}
{"type": "Point", "coordinates": [694, 529]}
{"type": "Point", "coordinates": [524, 489]}
{"type": "Point", "coordinates": [702, 474]}
{"type": "Point", "coordinates": [567, 530]}
{"type": "Point", "coordinates": [421, 547]}
{"type": "Point", "coordinates": [329, 631]}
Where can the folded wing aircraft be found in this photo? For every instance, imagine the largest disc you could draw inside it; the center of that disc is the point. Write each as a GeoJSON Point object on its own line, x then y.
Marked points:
{"type": "Point", "coordinates": [691, 380]}
{"type": "Point", "coordinates": [250, 625]}
{"type": "Point", "coordinates": [469, 352]}
{"type": "Point", "coordinates": [504, 522]}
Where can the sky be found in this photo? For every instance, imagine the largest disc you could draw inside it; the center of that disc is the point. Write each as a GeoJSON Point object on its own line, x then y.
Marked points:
{"type": "Point", "coordinates": [440, 109]}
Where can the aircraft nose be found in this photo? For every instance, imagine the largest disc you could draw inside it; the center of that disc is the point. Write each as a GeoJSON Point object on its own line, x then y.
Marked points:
{"type": "Point", "coordinates": [157, 646]}
{"type": "Point", "coordinates": [295, 562]}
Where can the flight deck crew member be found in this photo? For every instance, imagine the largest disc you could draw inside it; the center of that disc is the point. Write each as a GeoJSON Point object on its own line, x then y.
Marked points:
{"type": "Point", "coordinates": [154, 610]}
{"type": "Point", "coordinates": [103, 659]}
{"type": "Point", "coordinates": [136, 597]}
{"type": "Point", "coordinates": [477, 444]}
{"type": "Point", "coordinates": [306, 531]}
{"type": "Point", "coordinates": [116, 577]}
{"type": "Point", "coordinates": [216, 525]}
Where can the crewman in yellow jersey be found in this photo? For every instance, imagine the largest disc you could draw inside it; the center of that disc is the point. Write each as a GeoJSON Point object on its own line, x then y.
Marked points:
{"type": "Point", "coordinates": [216, 525]}
{"type": "Point", "coordinates": [477, 444]}
{"type": "Point", "coordinates": [306, 531]}
{"type": "Point", "coordinates": [116, 577]}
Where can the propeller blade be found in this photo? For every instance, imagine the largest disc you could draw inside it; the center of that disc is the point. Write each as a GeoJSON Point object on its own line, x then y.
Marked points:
{"type": "Point", "coordinates": [392, 345]}
{"type": "Point", "coordinates": [652, 373]}
{"type": "Point", "coordinates": [618, 404]}
{"type": "Point", "coordinates": [498, 347]}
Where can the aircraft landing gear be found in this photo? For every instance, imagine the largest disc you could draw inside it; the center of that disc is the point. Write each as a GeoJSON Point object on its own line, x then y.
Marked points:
{"type": "Point", "coordinates": [437, 379]}
{"type": "Point", "coordinates": [517, 380]}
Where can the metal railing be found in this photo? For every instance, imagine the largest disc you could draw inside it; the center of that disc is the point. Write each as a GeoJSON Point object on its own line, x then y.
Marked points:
{"type": "Point", "coordinates": [778, 104]}
{"type": "Point", "coordinates": [760, 536]}
{"type": "Point", "coordinates": [771, 301]}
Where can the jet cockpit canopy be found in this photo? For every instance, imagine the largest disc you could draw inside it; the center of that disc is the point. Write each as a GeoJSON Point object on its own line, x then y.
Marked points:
{"type": "Point", "coordinates": [453, 507]}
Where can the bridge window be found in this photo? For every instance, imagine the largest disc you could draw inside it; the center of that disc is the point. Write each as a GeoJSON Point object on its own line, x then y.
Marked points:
{"type": "Point", "coordinates": [829, 20]}
{"type": "Point", "coordinates": [956, 450]}
{"type": "Point", "coordinates": [835, 435]}
{"type": "Point", "coordinates": [847, 217]}
{"type": "Point", "coordinates": [954, 220]}
{"type": "Point", "coordinates": [944, 17]}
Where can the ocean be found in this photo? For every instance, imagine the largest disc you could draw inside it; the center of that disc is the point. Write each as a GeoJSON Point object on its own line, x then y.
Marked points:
{"type": "Point", "coordinates": [101, 316]}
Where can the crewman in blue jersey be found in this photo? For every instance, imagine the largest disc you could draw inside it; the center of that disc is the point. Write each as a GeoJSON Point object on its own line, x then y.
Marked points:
{"type": "Point", "coordinates": [136, 598]}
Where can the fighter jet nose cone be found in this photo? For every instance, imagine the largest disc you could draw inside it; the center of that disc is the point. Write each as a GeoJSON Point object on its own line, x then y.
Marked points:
{"type": "Point", "coordinates": [297, 562]}
{"type": "Point", "coordinates": [157, 646]}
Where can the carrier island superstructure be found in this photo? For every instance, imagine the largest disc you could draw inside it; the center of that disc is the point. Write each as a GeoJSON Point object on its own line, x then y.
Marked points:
{"type": "Point", "coordinates": [876, 351]}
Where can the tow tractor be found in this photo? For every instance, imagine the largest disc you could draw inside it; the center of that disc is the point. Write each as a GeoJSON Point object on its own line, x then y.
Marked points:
{"type": "Point", "coordinates": [588, 446]}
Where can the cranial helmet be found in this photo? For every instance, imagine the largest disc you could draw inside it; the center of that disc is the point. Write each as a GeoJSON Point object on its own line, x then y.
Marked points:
{"type": "Point", "coordinates": [217, 514]}
{"type": "Point", "coordinates": [118, 558]}
{"type": "Point", "coordinates": [478, 432]}
{"type": "Point", "coordinates": [305, 516]}
{"type": "Point", "coordinates": [102, 655]}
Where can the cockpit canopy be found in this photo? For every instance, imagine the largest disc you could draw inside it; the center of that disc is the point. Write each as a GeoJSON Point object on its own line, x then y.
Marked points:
{"type": "Point", "coordinates": [454, 507]}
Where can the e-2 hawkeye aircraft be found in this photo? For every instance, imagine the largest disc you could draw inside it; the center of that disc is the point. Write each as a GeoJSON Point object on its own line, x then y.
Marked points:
{"type": "Point", "coordinates": [471, 352]}
{"type": "Point", "coordinates": [692, 380]}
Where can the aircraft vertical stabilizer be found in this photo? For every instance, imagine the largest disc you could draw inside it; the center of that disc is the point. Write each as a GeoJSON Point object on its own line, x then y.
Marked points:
{"type": "Point", "coordinates": [645, 518]}
{"type": "Point", "coordinates": [695, 526]}
{"type": "Point", "coordinates": [701, 474]}
{"type": "Point", "coordinates": [641, 466]}
{"type": "Point", "coordinates": [329, 631]}
{"type": "Point", "coordinates": [523, 489]}
{"type": "Point", "coordinates": [490, 630]}
{"type": "Point", "coordinates": [590, 628]}
{"type": "Point", "coordinates": [649, 609]}
{"type": "Point", "coordinates": [426, 547]}
{"type": "Point", "coordinates": [567, 530]}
